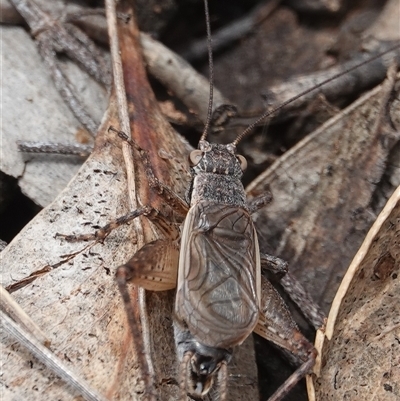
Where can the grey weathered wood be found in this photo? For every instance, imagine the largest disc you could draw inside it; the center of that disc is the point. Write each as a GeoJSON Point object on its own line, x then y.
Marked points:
{"type": "Point", "coordinates": [33, 110]}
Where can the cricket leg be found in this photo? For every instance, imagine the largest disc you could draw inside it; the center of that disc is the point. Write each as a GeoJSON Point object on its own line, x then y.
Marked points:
{"type": "Point", "coordinates": [259, 202]}
{"type": "Point", "coordinates": [101, 234]}
{"type": "Point", "coordinates": [175, 201]}
{"type": "Point", "coordinates": [276, 325]}
{"type": "Point", "coordinates": [277, 266]}
{"type": "Point", "coordinates": [166, 228]}
{"type": "Point", "coordinates": [153, 267]}
{"type": "Point", "coordinates": [294, 289]}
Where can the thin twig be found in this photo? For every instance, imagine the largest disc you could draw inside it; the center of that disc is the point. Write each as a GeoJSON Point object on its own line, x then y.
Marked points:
{"type": "Point", "coordinates": [386, 331]}
{"type": "Point", "coordinates": [49, 359]}
{"type": "Point", "coordinates": [130, 170]}
{"type": "Point", "coordinates": [228, 34]}
{"type": "Point", "coordinates": [55, 36]}
{"type": "Point", "coordinates": [12, 308]}
{"type": "Point", "coordinates": [180, 77]}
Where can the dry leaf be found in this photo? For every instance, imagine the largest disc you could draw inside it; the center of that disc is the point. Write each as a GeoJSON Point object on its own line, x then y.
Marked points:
{"type": "Point", "coordinates": [361, 358]}
{"type": "Point", "coordinates": [324, 189]}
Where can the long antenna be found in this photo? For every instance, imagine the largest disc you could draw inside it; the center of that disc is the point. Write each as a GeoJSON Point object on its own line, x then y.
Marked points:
{"type": "Point", "coordinates": [275, 109]}
{"type": "Point", "coordinates": [211, 73]}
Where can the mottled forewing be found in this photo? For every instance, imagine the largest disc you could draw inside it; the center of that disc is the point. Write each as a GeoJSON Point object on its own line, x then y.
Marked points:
{"type": "Point", "coordinates": [218, 279]}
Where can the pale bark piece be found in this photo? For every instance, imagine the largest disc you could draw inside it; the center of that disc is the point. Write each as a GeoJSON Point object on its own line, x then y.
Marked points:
{"type": "Point", "coordinates": [178, 75]}
{"type": "Point", "coordinates": [76, 304]}
{"type": "Point", "coordinates": [9, 14]}
{"type": "Point", "coordinates": [324, 191]}
{"type": "Point", "coordinates": [360, 356]}
{"type": "Point", "coordinates": [34, 111]}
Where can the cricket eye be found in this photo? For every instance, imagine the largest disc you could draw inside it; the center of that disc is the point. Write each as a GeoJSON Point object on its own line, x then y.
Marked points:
{"type": "Point", "coordinates": [195, 157]}
{"type": "Point", "coordinates": [243, 162]}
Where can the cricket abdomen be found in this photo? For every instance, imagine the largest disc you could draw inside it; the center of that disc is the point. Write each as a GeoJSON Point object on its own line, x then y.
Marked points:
{"type": "Point", "coordinates": [218, 295]}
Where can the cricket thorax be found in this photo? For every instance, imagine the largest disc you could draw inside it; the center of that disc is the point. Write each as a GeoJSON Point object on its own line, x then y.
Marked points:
{"type": "Point", "coordinates": [217, 175]}
{"type": "Point", "coordinates": [220, 189]}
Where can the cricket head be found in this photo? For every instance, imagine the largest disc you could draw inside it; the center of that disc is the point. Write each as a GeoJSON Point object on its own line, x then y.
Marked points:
{"type": "Point", "coordinates": [217, 159]}
{"type": "Point", "coordinates": [201, 365]}
{"type": "Point", "coordinates": [204, 367]}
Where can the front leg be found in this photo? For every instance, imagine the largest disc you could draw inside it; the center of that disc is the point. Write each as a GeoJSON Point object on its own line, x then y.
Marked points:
{"type": "Point", "coordinates": [173, 200]}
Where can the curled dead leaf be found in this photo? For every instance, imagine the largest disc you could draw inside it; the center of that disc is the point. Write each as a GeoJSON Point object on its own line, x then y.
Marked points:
{"type": "Point", "coordinates": [360, 354]}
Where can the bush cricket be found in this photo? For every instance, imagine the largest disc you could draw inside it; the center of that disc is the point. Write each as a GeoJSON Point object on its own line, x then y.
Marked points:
{"type": "Point", "coordinates": [221, 295]}
{"type": "Point", "coordinates": [202, 359]}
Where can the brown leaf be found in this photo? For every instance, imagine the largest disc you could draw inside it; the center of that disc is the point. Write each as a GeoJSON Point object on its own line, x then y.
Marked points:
{"type": "Point", "coordinates": [361, 358]}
